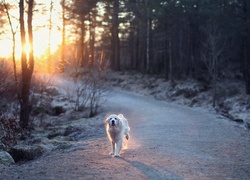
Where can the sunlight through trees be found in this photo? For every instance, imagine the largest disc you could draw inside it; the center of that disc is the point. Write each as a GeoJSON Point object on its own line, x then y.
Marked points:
{"type": "Point", "coordinates": [168, 38]}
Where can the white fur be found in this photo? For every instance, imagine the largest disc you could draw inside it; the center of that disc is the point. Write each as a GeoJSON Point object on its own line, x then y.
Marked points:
{"type": "Point", "coordinates": [117, 127]}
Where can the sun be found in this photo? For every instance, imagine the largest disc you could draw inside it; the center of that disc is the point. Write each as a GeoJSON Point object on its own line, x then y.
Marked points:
{"type": "Point", "coordinates": [44, 38]}
{"type": "Point", "coordinates": [41, 44]}
{"type": "Point", "coordinates": [27, 48]}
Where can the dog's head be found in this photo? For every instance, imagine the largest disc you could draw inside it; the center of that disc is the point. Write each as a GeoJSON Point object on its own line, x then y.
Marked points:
{"type": "Point", "coordinates": [113, 120]}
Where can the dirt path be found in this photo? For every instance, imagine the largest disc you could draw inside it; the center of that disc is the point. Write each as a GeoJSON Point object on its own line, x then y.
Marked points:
{"type": "Point", "coordinates": [167, 142]}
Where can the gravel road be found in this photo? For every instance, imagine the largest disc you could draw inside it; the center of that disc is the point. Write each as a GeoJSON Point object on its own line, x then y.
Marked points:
{"type": "Point", "coordinates": [167, 142]}
{"type": "Point", "coordinates": [176, 142]}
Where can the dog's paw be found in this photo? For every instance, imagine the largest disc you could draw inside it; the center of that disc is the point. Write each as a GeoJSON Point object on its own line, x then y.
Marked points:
{"type": "Point", "coordinates": [117, 155]}
{"type": "Point", "coordinates": [127, 136]}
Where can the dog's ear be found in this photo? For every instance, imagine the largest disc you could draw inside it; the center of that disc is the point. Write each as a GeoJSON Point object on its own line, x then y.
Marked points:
{"type": "Point", "coordinates": [106, 120]}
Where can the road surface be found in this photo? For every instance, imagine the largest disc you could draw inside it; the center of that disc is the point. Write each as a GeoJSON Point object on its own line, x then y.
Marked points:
{"type": "Point", "coordinates": [167, 142]}
{"type": "Point", "coordinates": [176, 142]}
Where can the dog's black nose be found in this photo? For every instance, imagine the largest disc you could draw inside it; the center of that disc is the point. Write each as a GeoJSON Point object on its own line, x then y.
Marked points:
{"type": "Point", "coordinates": [113, 122]}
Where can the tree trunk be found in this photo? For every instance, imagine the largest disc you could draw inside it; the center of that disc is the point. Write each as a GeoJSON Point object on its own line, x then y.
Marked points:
{"type": "Point", "coordinates": [82, 43]}
{"type": "Point", "coordinates": [115, 62]}
{"type": "Point", "coordinates": [214, 76]}
{"type": "Point", "coordinates": [148, 34]}
{"type": "Point", "coordinates": [62, 63]}
{"type": "Point", "coordinates": [137, 48]}
{"type": "Point", "coordinates": [27, 65]}
{"type": "Point", "coordinates": [92, 37]}
{"type": "Point", "coordinates": [245, 48]}
{"type": "Point", "coordinates": [30, 33]}
{"type": "Point", "coordinates": [170, 71]}
{"type": "Point", "coordinates": [191, 39]}
{"type": "Point", "coordinates": [50, 30]}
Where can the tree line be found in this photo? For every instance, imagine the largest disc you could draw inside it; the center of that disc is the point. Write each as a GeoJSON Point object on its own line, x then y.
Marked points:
{"type": "Point", "coordinates": [203, 39]}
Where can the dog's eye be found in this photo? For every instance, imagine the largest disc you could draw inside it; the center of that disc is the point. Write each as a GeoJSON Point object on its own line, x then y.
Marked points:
{"type": "Point", "coordinates": [115, 118]}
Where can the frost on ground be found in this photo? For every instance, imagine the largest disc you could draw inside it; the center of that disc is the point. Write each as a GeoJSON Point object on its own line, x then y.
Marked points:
{"type": "Point", "coordinates": [232, 100]}
{"type": "Point", "coordinates": [55, 123]}
{"type": "Point", "coordinates": [68, 144]}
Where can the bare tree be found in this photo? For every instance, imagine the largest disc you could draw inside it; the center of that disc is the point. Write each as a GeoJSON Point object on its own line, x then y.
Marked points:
{"type": "Point", "coordinates": [98, 90]}
{"type": "Point", "coordinates": [213, 48]}
{"type": "Point", "coordinates": [80, 97]}
{"type": "Point", "coordinates": [27, 64]}
{"type": "Point", "coordinates": [90, 89]}
{"type": "Point", "coordinates": [13, 32]}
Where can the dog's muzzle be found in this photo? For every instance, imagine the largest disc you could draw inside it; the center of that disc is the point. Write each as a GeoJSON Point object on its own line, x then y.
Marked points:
{"type": "Point", "coordinates": [113, 123]}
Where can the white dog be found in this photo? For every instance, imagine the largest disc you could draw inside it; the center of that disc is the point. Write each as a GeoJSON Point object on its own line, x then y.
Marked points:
{"type": "Point", "coordinates": [117, 127]}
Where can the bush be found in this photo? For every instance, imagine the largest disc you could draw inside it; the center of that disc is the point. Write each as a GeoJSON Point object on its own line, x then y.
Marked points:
{"type": "Point", "coordinates": [8, 88]}
{"type": "Point", "coordinates": [41, 98]}
{"type": "Point", "coordinates": [8, 132]}
{"type": "Point", "coordinates": [90, 90]}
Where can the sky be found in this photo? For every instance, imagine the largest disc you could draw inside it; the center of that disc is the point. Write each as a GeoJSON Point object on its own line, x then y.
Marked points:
{"type": "Point", "coordinates": [40, 28]}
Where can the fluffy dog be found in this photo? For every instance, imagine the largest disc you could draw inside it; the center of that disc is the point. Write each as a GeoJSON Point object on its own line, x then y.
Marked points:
{"type": "Point", "coordinates": [117, 127]}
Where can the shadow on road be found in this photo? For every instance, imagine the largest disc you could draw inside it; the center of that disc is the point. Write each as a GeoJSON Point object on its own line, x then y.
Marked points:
{"type": "Point", "coordinates": [151, 172]}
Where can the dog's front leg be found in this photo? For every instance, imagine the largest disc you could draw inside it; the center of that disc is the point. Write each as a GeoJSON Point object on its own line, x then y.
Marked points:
{"type": "Point", "coordinates": [118, 148]}
{"type": "Point", "coordinates": [113, 148]}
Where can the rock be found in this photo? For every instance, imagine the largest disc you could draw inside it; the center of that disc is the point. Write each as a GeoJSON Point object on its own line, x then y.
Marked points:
{"type": "Point", "coordinates": [71, 129]}
{"type": "Point", "coordinates": [55, 133]}
{"type": "Point", "coordinates": [247, 125]}
{"type": "Point", "coordinates": [238, 120]}
{"type": "Point", "coordinates": [6, 158]}
{"type": "Point", "coordinates": [57, 110]}
{"type": "Point", "coordinates": [24, 152]}
{"type": "Point", "coordinates": [62, 138]}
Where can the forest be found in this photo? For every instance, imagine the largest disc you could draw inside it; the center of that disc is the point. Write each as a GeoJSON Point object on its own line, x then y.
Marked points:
{"type": "Point", "coordinates": [204, 40]}
{"type": "Point", "coordinates": [207, 40]}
